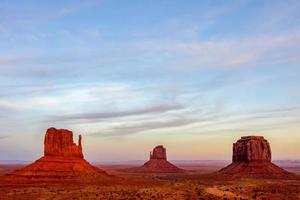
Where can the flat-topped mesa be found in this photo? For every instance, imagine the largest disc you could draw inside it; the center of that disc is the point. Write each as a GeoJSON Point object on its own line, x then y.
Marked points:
{"type": "Point", "coordinates": [252, 158]}
{"type": "Point", "coordinates": [59, 142]}
{"type": "Point", "coordinates": [159, 152]}
{"type": "Point", "coordinates": [251, 149]}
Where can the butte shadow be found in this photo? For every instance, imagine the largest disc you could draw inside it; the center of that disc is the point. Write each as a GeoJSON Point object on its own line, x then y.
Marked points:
{"type": "Point", "coordinates": [252, 158]}
{"type": "Point", "coordinates": [63, 160]}
{"type": "Point", "coordinates": [157, 163]}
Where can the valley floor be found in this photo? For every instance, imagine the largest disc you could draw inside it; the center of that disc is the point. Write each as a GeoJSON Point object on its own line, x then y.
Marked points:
{"type": "Point", "coordinates": [195, 184]}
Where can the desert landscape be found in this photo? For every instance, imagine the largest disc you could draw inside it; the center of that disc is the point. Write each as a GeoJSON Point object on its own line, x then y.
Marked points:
{"type": "Point", "coordinates": [149, 100]}
{"type": "Point", "coordinates": [188, 186]}
{"type": "Point", "coordinates": [63, 173]}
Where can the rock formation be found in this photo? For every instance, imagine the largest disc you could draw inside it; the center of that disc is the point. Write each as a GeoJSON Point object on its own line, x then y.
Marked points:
{"type": "Point", "coordinates": [63, 160]}
{"type": "Point", "coordinates": [159, 152]}
{"type": "Point", "coordinates": [251, 149]}
{"type": "Point", "coordinates": [59, 142]}
{"type": "Point", "coordinates": [158, 163]}
{"type": "Point", "coordinates": [252, 157]}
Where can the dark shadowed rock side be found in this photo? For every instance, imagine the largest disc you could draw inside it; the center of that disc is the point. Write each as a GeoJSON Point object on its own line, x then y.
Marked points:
{"type": "Point", "coordinates": [252, 158]}
{"type": "Point", "coordinates": [63, 160]}
{"type": "Point", "coordinates": [158, 163]}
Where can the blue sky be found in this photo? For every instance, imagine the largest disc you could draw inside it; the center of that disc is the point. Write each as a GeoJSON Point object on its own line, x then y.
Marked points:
{"type": "Point", "coordinates": [128, 75]}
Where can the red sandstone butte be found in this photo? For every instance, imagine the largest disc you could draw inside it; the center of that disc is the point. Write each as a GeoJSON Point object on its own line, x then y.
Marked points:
{"type": "Point", "coordinates": [158, 163]}
{"type": "Point", "coordinates": [59, 142]}
{"type": "Point", "coordinates": [63, 160]}
{"type": "Point", "coordinates": [252, 157]}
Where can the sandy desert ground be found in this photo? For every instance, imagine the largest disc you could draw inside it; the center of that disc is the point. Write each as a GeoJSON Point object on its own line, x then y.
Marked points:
{"type": "Point", "coordinates": [198, 182]}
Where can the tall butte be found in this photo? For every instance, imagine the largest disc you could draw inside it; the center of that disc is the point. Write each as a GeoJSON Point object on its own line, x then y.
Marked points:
{"type": "Point", "coordinates": [252, 157]}
{"type": "Point", "coordinates": [158, 163]}
{"type": "Point", "coordinates": [62, 160]}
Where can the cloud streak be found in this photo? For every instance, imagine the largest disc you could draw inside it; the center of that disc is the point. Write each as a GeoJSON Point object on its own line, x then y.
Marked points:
{"type": "Point", "coordinates": [3, 137]}
{"type": "Point", "coordinates": [125, 130]}
{"type": "Point", "coordinates": [207, 123]}
{"type": "Point", "coordinates": [230, 53]}
{"type": "Point", "coordinates": [86, 117]}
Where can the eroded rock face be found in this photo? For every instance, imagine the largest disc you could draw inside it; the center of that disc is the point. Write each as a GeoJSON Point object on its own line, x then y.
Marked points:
{"type": "Point", "coordinates": [159, 152]}
{"type": "Point", "coordinates": [252, 158]}
{"type": "Point", "coordinates": [59, 142]}
{"type": "Point", "coordinates": [251, 149]}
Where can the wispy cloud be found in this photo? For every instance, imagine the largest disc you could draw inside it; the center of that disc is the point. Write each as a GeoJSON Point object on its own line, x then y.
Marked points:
{"type": "Point", "coordinates": [215, 121]}
{"type": "Point", "coordinates": [230, 53]}
{"type": "Point", "coordinates": [153, 57]}
{"type": "Point", "coordinates": [252, 121]}
{"type": "Point", "coordinates": [33, 14]}
{"type": "Point", "coordinates": [3, 137]}
{"type": "Point", "coordinates": [86, 117]}
{"type": "Point", "coordinates": [125, 130]}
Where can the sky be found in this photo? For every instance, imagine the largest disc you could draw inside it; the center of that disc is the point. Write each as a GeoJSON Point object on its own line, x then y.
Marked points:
{"type": "Point", "coordinates": [194, 76]}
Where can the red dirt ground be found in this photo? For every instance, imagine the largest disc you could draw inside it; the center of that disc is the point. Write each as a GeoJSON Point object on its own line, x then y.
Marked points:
{"type": "Point", "coordinates": [198, 182]}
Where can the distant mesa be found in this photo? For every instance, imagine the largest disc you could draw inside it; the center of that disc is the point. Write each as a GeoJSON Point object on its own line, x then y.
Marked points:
{"type": "Point", "coordinates": [62, 160]}
{"type": "Point", "coordinates": [158, 163]}
{"type": "Point", "coordinates": [159, 152]}
{"type": "Point", "coordinates": [252, 157]}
